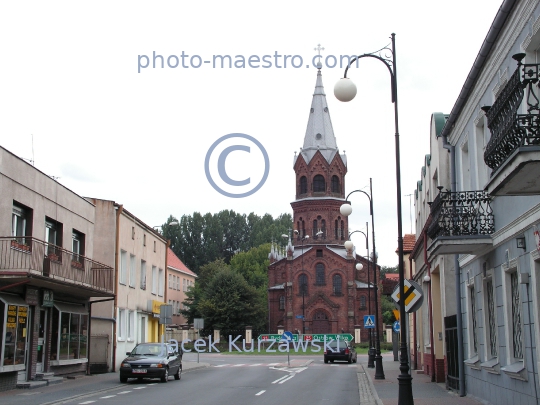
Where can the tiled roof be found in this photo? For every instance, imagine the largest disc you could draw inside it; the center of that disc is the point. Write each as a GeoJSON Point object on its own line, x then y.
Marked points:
{"type": "Point", "coordinates": [174, 262]}
{"type": "Point", "coordinates": [409, 241]}
{"type": "Point", "coordinates": [392, 276]}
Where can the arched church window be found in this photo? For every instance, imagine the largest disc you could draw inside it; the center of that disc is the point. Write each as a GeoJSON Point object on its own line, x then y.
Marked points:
{"type": "Point", "coordinates": [302, 284]}
{"type": "Point", "coordinates": [303, 185]}
{"type": "Point", "coordinates": [335, 184]}
{"type": "Point", "coordinates": [282, 302]}
{"type": "Point", "coordinates": [336, 283]}
{"type": "Point", "coordinates": [363, 302]}
{"type": "Point", "coordinates": [319, 274]}
{"type": "Point", "coordinates": [319, 185]}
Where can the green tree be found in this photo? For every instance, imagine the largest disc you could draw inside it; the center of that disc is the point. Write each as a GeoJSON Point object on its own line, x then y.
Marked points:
{"type": "Point", "coordinates": [387, 307]}
{"type": "Point", "coordinates": [253, 265]}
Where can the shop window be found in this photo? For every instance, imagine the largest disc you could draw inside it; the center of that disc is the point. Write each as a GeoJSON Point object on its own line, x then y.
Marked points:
{"type": "Point", "coordinates": [13, 329]}
{"type": "Point", "coordinates": [69, 340]}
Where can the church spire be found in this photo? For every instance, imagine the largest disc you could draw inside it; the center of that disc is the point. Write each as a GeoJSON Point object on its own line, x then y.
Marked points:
{"type": "Point", "coordinates": [319, 133]}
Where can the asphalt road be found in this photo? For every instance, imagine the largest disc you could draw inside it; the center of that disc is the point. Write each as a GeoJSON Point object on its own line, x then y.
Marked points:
{"type": "Point", "coordinates": [241, 380]}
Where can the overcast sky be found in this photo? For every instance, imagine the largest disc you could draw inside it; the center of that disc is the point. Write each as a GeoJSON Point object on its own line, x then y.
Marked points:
{"type": "Point", "coordinates": [70, 81]}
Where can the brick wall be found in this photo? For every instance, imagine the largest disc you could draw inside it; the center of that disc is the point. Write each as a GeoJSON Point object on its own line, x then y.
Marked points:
{"type": "Point", "coordinates": [440, 373]}
{"type": "Point", "coordinates": [8, 381]}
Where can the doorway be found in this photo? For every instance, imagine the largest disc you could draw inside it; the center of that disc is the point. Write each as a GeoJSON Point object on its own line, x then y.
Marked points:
{"type": "Point", "coordinates": [41, 340]}
{"type": "Point", "coordinates": [321, 324]}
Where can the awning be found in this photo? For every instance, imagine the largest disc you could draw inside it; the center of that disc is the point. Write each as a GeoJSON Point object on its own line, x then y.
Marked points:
{"type": "Point", "coordinates": [73, 308]}
{"type": "Point", "coordinates": [10, 299]}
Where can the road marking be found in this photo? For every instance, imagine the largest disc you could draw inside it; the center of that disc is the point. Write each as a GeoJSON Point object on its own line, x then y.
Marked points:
{"type": "Point", "coordinates": [139, 388]}
{"type": "Point", "coordinates": [273, 364]}
{"type": "Point", "coordinates": [279, 379]}
{"type": "Point", "coordinates": [260, 393]}
{"type": "Point", "coordinates": [222, 365]}
{"type": "Point", "coordinates": [286, 379]}
{"type": "Point", "coordinates": [151, 384]}
{"type": "Point", "coordinates": [238, 365]}
{"type": "Point", "coordinates": [107, 397]}
{"type": "Point", "coordinates": [253, 365]}
{"type": "Point", "coordinates": [87, 402]}
{"type": "Point", "coordinates": [124, 392]}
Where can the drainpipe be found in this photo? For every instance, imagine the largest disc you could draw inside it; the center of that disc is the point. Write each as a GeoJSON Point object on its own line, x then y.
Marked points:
{"type": "Point", "coordinates": [119, 209]}
{"type": "Point", "coordinates": [461, 365]}
{"type": "Point", "coordinates": [430, 309]}
{"type": "Point", "coordinates": [415, 354]}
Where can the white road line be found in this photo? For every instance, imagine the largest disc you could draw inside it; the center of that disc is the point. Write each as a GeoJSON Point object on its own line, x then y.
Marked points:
{"type": "Point", "coordinates": [107, 397]}
{"type": "Point", "coordinates": [222, 365]}
{"type": "Point", "coordinates": [279, 379]}
{"type": "Point", "coordinates": [139, 388]}
{"type": "Point", "coordinates": [124, 392]}
{"type": "Point", "coordinates": [237, 365]}
{"type": "Point", "coordinates": [260, 393]}
{"type": "Point", "coordinates": [151, 384]}
{"type": "Point", "coordinates": [253, 365]}
{"type": "Point", "coordinates": [272, 364]}
{"type": "Point", "coordinates": [87, 402]}
{"type": "Point", "coordinates": [286, 379]}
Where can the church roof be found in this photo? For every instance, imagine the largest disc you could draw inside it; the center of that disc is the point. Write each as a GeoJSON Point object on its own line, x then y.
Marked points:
{"type": "Point", "coordinates": [319, 133]}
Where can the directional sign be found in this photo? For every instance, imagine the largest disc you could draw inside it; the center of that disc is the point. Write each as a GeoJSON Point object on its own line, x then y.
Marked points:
{"type": "Point", "coordinates": [369, 321]}
{"type": "Point", "coordinates": [277, 338]}
{"type": "Point", "coordinates": [299, 316]}
{"type": "Point", "coordinates": [287, 336]}
{"type": "Point", "coordinates": [396, 327]}
{"type": "Point", "coordinates": [345, 337]}
{"type": "Point", "coordinates": [413, 296]}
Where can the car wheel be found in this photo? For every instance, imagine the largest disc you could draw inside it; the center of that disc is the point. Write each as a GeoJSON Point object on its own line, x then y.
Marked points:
{"type": "Point", "coordinates": [326, 361]}
{"type": "Point", "coordinates": [123, 379]}
{"type": "Point", "coordinates": [350, 360]}
{"type": "Point", "coordinates": [165, 377]}
{"type": "Point", "coordinates": [178, 374]}
{"type": "Point", "coordinates": [331, 361]}
{"type": "Point", "coordinates": [354, 361]}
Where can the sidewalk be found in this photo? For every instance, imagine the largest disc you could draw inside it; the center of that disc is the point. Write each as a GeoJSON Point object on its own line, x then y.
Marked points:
{"type": "Point", "coordinates": [75, 388]}
{"type": "Point", "coordinates": [385, 392]}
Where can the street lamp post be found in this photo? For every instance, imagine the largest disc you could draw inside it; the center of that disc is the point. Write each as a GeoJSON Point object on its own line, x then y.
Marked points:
{"type": "Point", "coordinates": [303, 286]}
{"type": "Point", "coordinates": [359, 266]}
{"type": "Point", "coordinates": [345, 90]}
{"type": "Point", "coordinates": [346, 210]}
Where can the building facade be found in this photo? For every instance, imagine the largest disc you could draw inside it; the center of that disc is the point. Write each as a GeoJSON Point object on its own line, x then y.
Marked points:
{"type": "Point", "coordinates": [180, 280]}
{"type": "Point", "coordinates": [316, 288]}
{"type": "Point", "coordinates": [483, 221]}
{"type": "Point", "coordinates": [139, 254]}
{"type": "Point", "coordinates": [49, 275]}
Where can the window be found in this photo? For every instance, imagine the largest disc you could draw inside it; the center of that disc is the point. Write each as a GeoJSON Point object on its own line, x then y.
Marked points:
{"type": "Point", "coordinates": [282, 303]}
{"type": "Point", "coordinates": [303, 185]}
{"type": "Point", "coordinates": [302, 284]}
{"type": "Point", "coordinates": [13, 327]}
{"type": "Point", "coordinates": [492, 325]}
{"type": "Point", "coordinates": [69, 334]}
{"type": "Point", "coordinates": [319, 185]}
{"type": "Point", "coordinates": [465, 167]}
{"type": "Point", "coordinates": [319, 274]}
{"type": "Point", "coordinates": [131, 325]}
{"type": "Point", "coordinates": [170, 281]}
{"type": "Point", "coordinates": [121, 324]}
{"type": "Point", "coordinates": [513, 318]}
{"type": "Point", "coordinates": [144, 240]}
{"type": "Point", "coordinates": [77, 246]}
{"type": "Point", "coordinates": [335, 184]}
{"type": "Point", "coordinates": [123, 267]}
{"type": "Point", "coordinates": [161, 282]}
{"type": "Point", "coordinates": [143, 275]}
{"type": "Point", "coordinates": [319, 253]}
{"type": "Point", "coordinates": [132, 271]}
{"type": "Point", "coordinates": [516, 317]}
{"type": "Point", "coordinates": [178, 283]}
{"type": "Point", "coordinates": [154, 246]}
{"type": "Point", "coordinates": [154, 280]}
{"type": "Point", "coordinates": [336, 283]}
{"type": "Point", "coordinates": [21, 220]}
{"type": "Point", "coordinates": [53, 237]}
{"type": "Point", "coordinates": [133, 232]}
{"type": "Point", "coordinates": [363, 302]}
{"type": "Point", "coordinates": [474, 328]}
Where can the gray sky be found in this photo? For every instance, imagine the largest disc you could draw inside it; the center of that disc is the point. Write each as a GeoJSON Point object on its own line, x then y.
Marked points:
{"type": "Point", "coordinates": [70, 78]}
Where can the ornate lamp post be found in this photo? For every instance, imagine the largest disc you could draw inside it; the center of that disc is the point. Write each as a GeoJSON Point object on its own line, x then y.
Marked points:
{"type": "Point", "coordinates": [345, 90]}
{"type": "Point", "coordinates": [346, 210]}
{"type": "Point", "coordinates": [359, 266]}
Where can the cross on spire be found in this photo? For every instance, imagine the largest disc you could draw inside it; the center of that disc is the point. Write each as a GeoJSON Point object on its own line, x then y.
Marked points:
{"type": "Point", "coordinates": [318, 49]}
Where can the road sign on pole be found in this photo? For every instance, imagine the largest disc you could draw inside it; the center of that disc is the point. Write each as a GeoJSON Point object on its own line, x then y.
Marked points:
{"type": "Point", "coordinates": [413, 296]}
{"type": "Point", "coordinates": [287, 336]}
{"type": "Point", "coordinates": [396, 327]}
{"type": "Point", "coordinates": [369, 321]}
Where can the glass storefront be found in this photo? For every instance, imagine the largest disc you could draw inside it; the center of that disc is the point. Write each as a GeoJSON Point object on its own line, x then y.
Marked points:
{"type": "Point", "coordinates": [69, 332]}
{"type": "Point", "coordinates": [13, 330]}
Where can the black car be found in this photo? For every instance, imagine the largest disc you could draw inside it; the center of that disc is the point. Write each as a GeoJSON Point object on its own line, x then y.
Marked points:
{"type": "Point", "coordinates": [340, 351]}
{"type": "Point", "coordinates": [152, 360]}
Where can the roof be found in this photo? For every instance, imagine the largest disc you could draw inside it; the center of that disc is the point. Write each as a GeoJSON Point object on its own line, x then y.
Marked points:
{"type": "Point", "coordinates": [392, 276]}
{"type": "Point", "coordinates": [409, 240]}
{"type": "Point", "coordinates": [176, 264]}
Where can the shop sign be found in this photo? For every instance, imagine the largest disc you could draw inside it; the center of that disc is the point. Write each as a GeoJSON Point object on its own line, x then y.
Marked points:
{"type": "Point", "coordinates": [32, 296]}
{"type": "Point", "coordinates": [48, 298]}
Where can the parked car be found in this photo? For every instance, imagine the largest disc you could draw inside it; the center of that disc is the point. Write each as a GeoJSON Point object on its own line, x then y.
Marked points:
{"type": "Point", "coordinates": [152, 360]}
{"type": "Point", "coordinates": [341, 350]}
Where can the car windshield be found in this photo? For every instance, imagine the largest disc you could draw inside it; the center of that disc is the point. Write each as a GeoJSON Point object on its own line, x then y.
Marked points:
{"type": "Point", "coordinates": [150, 350]}
{"type": "Point", "coordinates": [334, 345]}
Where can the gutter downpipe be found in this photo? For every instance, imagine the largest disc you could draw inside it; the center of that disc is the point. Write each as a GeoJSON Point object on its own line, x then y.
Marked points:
{"type": "Point", "coordinates": [461, 364]}
{"type": "Point", "coordinates": [415, 351]}
{"type": "Point", "coordinates": [430, 308]}
{"type": "Point", "coordinates": [119, 209]}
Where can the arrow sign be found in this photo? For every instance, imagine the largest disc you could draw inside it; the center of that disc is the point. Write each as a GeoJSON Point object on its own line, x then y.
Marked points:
{"type": "Point", "coordinates": [396, 327]}
{"type": "Point", "coordinates": [369, 321]}
{"type": "Point", "coordinates": [287, 336]}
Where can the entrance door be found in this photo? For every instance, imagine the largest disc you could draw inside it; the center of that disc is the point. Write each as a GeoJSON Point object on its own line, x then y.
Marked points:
{"type": "Point", "coordinates": [452, 378]}
{"type": "Point", "coordinates": [41, 340]}
{"type": "Point", "coordinates": [321, 324]}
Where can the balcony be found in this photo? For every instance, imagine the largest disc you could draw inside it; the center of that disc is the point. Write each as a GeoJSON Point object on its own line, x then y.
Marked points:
{"type": "Point", "coordinates": [461, 222]}
{"type": "Point", "coordinates": [513, 152]}
{"type": "Point", "coordinates": [50, 266]}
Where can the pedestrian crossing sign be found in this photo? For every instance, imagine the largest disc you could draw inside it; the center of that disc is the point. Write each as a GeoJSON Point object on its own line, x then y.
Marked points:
{"type": "Point", "coordinates": [369, 321]}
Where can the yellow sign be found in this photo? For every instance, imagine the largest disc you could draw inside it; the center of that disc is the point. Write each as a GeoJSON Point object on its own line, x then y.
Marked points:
{"type": "Point", "coordinates": [396, 314]}
{"type": "Point", "coordinates": [156, 305]}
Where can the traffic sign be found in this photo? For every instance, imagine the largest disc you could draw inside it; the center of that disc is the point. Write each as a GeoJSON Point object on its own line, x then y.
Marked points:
{"type": "Point", "coordinates": [277, 338]}
{"type": "Point", "coordinates": [369, 321]}
{"type": "Point", "coordinates": [413, 296]}
{"type": "Point", "coordinates": [287, 336]}
{"type": "Point", "coordinates": [396, 327]}
{"type": "Point", "coordinates": [299, 316]}
{"type": "Point", "coordinates": [396, 313]}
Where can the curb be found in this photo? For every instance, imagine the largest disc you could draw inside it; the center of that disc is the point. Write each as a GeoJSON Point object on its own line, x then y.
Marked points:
{"type": "Point", "coordinates": [366, 389]}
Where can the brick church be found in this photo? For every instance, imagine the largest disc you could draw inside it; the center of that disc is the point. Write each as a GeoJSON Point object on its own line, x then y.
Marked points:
{"type": "Point", "coordinates": [317, 277]}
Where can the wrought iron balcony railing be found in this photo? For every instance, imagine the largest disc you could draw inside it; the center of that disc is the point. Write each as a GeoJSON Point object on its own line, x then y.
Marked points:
{"type": "Point", "coordinates": [30, 255]}
{"type": "Point", "coordinates": [461, 213]}
{"type": "Point", "coordinates": [510, 130]}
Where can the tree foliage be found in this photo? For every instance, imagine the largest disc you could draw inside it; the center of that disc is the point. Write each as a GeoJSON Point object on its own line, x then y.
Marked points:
{"type": "Point", "coordinates": [387, 307]}
{"type": "Point", "coordinates": [388, 269]}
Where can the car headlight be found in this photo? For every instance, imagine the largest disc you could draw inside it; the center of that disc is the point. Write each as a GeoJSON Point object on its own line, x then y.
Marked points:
{"type": "Point", "coordinates": [125, 365]}
{"type": "Point", "coordinates": [158, 365]}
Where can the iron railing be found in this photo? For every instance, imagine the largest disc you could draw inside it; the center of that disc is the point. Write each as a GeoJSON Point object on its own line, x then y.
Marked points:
{"type": "Point", "coordinates": [461, 213]}
{"type": "Point", "coordinates": [510, 130]}
{"type": "Point", "coordinates": [30, 255]}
